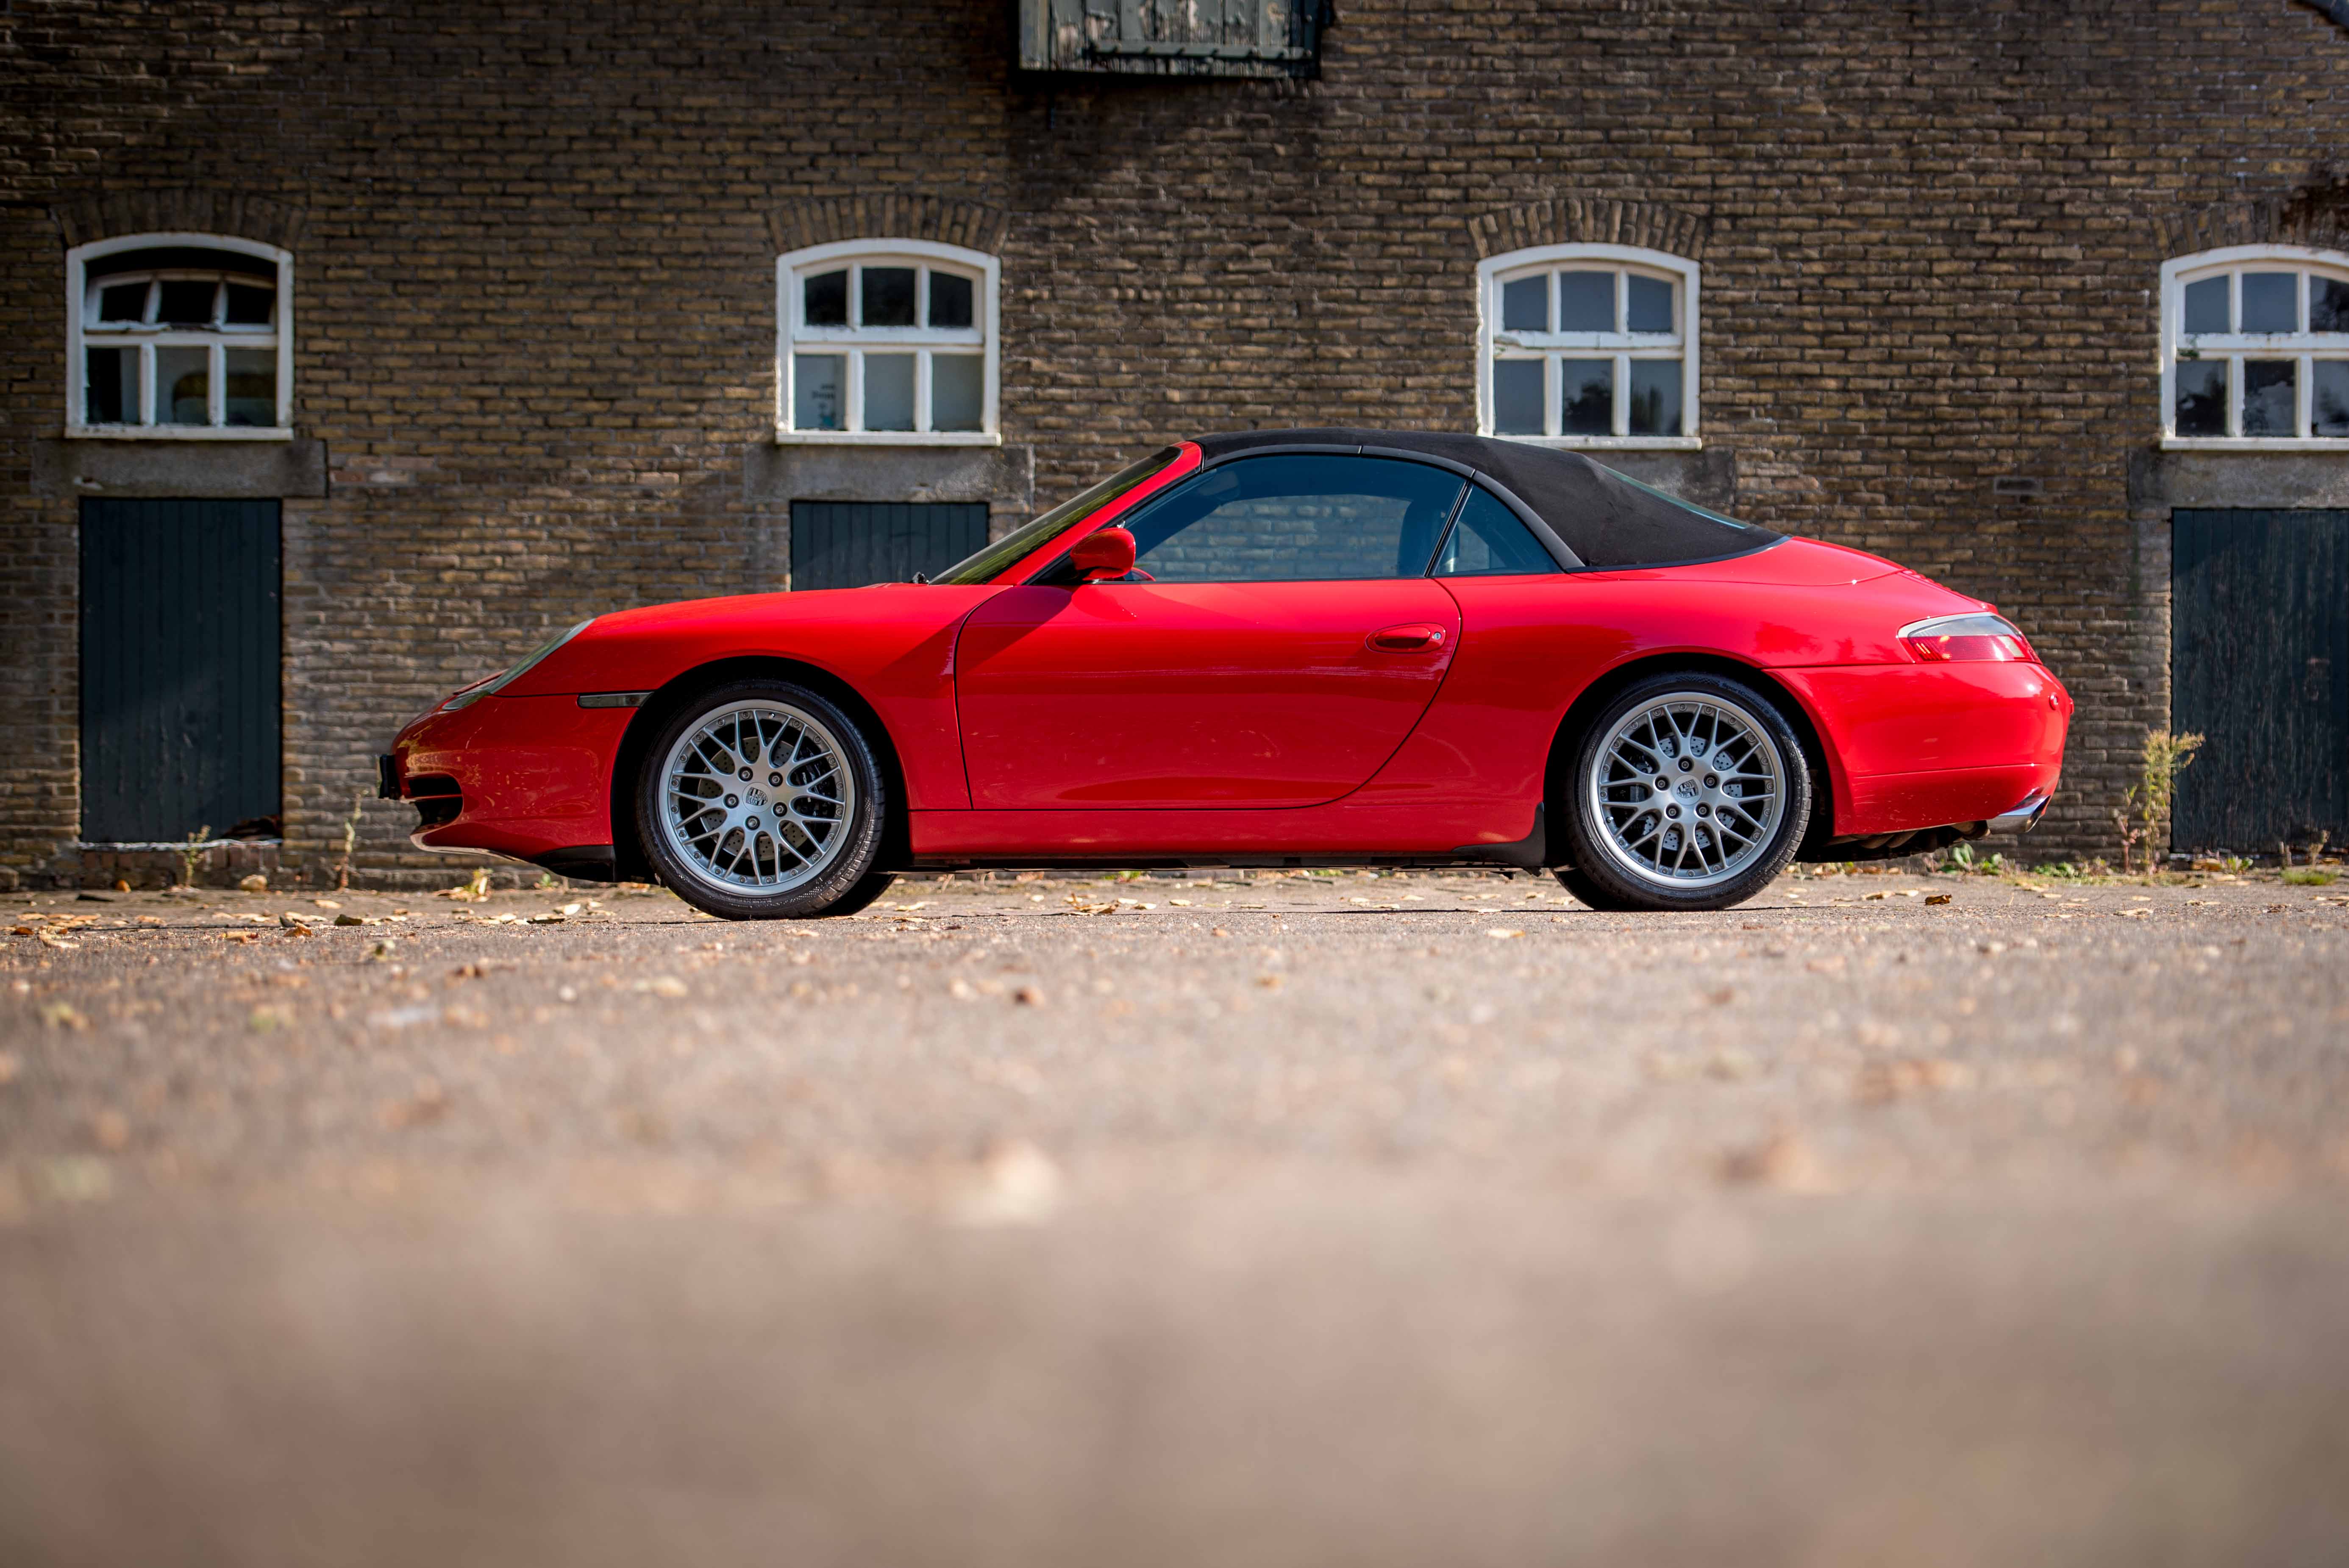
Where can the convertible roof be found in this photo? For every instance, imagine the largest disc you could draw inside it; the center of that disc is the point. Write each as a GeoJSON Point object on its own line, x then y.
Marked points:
{"type": "Point", "coordinates": [1605, 519]}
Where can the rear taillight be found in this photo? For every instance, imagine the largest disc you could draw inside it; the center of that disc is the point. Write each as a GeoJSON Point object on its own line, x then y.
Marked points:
{"type": "Point", "coordinates": [1948, 638]}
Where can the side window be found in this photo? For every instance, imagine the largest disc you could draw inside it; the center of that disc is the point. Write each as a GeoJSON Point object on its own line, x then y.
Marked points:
{"type": "Point", "coordinates": [1489, 541]}
{"type": "Point", "coordinates": [1298, 519]}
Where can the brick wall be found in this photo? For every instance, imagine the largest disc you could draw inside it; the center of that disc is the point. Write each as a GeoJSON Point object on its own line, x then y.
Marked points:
{"type": "Point", "coordinates": [534, 282]}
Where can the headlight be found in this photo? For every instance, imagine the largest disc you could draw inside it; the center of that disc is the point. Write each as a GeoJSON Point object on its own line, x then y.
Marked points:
{"type": "Point", "coordinates": [530, 661]}
{"type": "Point", "coordinates": [1978, 637]}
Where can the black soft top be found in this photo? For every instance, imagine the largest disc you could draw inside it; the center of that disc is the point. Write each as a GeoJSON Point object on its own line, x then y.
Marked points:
{"type": "Point", "coordinates": [1602, 518]}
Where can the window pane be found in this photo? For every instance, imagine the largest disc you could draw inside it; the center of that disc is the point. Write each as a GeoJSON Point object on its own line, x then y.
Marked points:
{"type": "Point", "coordinates": [2329, 395]}
{"type": "Point", "coordinates": [1648, 305]}
{"type": "Point", "coordinates": [950, 300]}
{"type": "Point", "coordinates": [250, 395]}
{"type": "Point", "coordinates": [2271, 301]}
{"type": "Point", "coordinates": [122, 301]}
{"type": "Point", "coordinates": [113, 386]}
{"type": "Point", "coordinates": [888, 296]}
{"type": "Point", "coordinates": [1586, 396]}
{"type": "Point", "coordinates": [1489, 541]}
{"type": "Point", "coordinates": [1518, 397]}
{"type": "Point", "coordinates": [815, 389]}
{"type": "Point", "coordinates": [824, 299]}
{"type": "Point", "coordinates": [2270, 392]}
{"type": "Point", "coordinates": [888, 390]}
{"type": "Point", "coordinates": [2328, 305]}
{"type": "Point", "coordinates": [957, 385]}
{"type": "Point", "coordinates": [1655, 397]}
{"type": "Point", "coordinates": [2201, 396]}
{"type": "Point", "coordinates": [249, 305]}
{"type": "Point", "coordinates": [2205, 307]}
{"type": "Point", "coordinates": [187, 302]}
{"type": "Point", "coordinates": [182, 385]}
{"type": "Point", "coordinates": [1525, 305]}
{"type": "Point", "coordinates": [1586, 302]}
{"type": "Point", "coordinates": [1292, 520]}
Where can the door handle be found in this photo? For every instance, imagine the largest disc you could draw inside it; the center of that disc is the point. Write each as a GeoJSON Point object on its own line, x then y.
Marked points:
{"type": "Point", "coordinates": [1416, 638]}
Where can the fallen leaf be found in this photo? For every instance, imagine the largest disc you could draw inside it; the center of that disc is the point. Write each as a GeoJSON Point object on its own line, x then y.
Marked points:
{"type": "Point", "coordinates": [1029, 997]}
{"type": "Point", "coordinates": [64, 1016]}
{"type": "Point", "coordinates": [661, 986]}
{"type": "Point", "coordinates": [324, 903]}
{"type": "Point", "coordinates": [1015, 1184]}
{"type": "Point", "coordinates": [254, 882]}
{"type": "Point", "coordinates": [348, 920]}
{"type": "Point", "coordinates": [1937, 898]}
{"type": "Point", "coordinates": [1503, 935]}
{"type": "Point", "coordinates": [1782, 1161]}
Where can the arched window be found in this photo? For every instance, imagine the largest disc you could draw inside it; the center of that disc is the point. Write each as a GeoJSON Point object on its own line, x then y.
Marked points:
{"type": "Point", "coordinates": [2255, 348]}
{"type": "Point", "coordinates": [179, 335]}
{"type": "Point", "coordinates": [886, 341]}
{"type": "Point", "coordinates": [1587, 345]}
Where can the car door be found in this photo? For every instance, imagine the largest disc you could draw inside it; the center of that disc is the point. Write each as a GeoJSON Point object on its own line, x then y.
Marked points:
{"type": "Point", "coordinates": [1278, 641]}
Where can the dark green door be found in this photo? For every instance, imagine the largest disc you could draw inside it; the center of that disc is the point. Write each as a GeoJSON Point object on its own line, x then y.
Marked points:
{"type": "Point", "coordinates": [847, 544]}
{"type": "Point", "coordinates": [2260, 666]}
{"type": "Point", "coordinates": [178, 668]}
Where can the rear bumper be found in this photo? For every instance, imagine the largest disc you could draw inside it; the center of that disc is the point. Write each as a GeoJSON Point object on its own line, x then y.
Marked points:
{"type": "Point", "coordinates": [1918, 747]}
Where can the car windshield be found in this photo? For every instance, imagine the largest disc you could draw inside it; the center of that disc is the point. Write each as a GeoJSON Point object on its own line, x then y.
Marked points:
{"type": "Point", "coordinates": [984, 565]}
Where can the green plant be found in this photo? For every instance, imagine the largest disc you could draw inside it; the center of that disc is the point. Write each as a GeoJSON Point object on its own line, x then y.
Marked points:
{"type": "Point", "coordinates": [548, 881]}
{"type": "Point", "coordinates": [2143, 815]}
{"type": "Point", "coordinates": [350, 841]}
{"type": "Point", "coordinates": [192, 853]}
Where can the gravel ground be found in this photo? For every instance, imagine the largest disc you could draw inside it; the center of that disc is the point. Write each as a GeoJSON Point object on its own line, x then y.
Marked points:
{"type": "Point", "coordinates": [1278, 1219]}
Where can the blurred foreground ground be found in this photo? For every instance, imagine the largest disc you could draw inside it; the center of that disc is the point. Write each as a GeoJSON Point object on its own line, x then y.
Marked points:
{"type": "Point", "coordinates": [1275, 1219]}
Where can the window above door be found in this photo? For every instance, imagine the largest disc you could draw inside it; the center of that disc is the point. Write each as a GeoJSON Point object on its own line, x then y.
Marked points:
{"type": "Point", "coordinates": [2255, 349]}
{"type": "Point", "coordinates": [886, 342]}
{"type": "Point", "coordinates": [179, 338]}
{"type": "Point", "coordinates": [1587, 345]}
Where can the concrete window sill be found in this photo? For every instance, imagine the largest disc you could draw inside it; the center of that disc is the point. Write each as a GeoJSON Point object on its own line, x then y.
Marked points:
{"type": "Point", "coordinates": [887, 438]}
{"type": "Point", "coordinates": [178, 433]}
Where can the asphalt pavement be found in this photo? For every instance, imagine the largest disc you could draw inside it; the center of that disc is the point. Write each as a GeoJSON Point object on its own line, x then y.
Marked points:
{"type": "Point", "coordinates": [1264, 1219]}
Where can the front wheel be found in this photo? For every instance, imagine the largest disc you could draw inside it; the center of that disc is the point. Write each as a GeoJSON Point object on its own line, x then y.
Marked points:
{"type": "Point", "coordinates": [1689, 792]}
{"type": "Point", "coordinates": [761, 800]}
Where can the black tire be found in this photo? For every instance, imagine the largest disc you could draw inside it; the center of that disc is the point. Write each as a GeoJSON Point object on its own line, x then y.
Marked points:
{"type": "Point", "coordinates": [806, 848]}
{"type": "Point", "coordinates": [1764, 792]}
{"type": "Point", "coordinates": [1590, 892]}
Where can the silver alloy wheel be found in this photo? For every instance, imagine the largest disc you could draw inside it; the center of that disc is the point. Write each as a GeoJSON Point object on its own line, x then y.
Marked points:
{"type": "Point", "coordinates": [1687, 790]}
{"type": "Point", "coordinates": [757, 798]}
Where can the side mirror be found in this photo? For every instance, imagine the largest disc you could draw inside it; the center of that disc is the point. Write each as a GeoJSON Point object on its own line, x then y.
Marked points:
{"type": "Point", "coordinates": [1105, 554]}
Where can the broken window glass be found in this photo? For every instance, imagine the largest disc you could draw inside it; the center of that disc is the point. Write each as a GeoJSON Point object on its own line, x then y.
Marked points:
{"type": "Point", "coordinates": [2201, 396]}
{"type": "Point", "coordinates": [2271, 396]}
{"type": "Point", "coordinates": [123, 301]}
{"type": "Point", "coordinates": [184, 386]}
{"type": "Point", "coordinates": [249, 386]}
{"type": "Point", "coordinates": [2328, 305]}
{"type": "Point", "coordinates": [2329, 397]}
{"type": "Point", "coordinates": [113, 386]}
{"type": "Point", "coordinates": [248, 306]}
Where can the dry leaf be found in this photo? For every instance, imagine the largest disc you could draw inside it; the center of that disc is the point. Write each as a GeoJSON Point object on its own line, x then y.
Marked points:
{"type": "Point", "coordinates": [661, 986]}
{"type": "Point", "coordinates": [254, 882]}
{"type": "Point", "coordinates": [1503, 935]}
{"type": "Point", "coordinates": [1029, 997]}
{"type": "Point", "coordinates": [64, 1016]}
{"type": "Point", "coordinates": [1937, 898]}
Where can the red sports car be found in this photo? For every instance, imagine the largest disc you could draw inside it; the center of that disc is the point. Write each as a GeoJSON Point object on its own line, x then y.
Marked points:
{"type": "Point", "coordinates": [1284, 648]}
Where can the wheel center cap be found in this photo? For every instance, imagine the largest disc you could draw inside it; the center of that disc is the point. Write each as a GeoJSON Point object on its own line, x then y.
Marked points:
{"type": "Point", "coordinates": [755, 796]}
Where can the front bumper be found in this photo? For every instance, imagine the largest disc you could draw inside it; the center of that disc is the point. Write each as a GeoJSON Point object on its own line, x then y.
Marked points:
{"type": "Point", "coordinates": [528, 778]}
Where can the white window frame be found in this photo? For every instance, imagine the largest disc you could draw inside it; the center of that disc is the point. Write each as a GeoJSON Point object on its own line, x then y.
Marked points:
{"type": "Point", "coordinates": [79, 304]}
{"type": "Point", "coordinates": [795, 336]}
{"type": "Point", "coordinates": [1624, 347]}
{"type": "Point", "coordinates": [2307, 347]}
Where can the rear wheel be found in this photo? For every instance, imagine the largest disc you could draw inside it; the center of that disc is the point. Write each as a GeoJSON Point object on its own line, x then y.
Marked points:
{"type": "Point", "coordinates": [761, 800]}
{"type": "Point", "coordinates": [1689, 792]}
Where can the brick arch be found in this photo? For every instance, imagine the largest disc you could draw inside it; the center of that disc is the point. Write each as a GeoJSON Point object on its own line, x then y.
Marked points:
{"type": "Point", "coordinates": [1591, 220]}
{"type": "Point", "coordinates": [2316, 215]}
{"type": "Point", "coordinates": [185, 210]}
{"type": "Point", "coordinates": [819, 221]}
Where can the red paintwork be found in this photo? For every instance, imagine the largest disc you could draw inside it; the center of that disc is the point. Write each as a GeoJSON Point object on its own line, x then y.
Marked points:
{"type": "Point", "coordinates": [1159, 721]}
